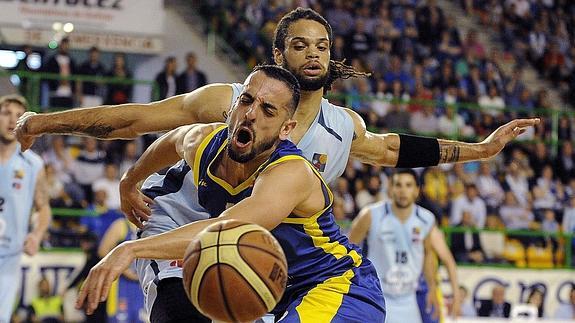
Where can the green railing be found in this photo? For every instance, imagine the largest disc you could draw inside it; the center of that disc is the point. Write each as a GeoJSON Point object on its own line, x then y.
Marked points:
{"type": "Point", "coordinates": [31, 85]}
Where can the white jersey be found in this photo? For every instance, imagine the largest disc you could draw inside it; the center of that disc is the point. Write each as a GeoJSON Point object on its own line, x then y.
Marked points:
{"type": "Point", "coordinates": [396, 249]}
{"type": "Point", "coordinates": [17, 186]}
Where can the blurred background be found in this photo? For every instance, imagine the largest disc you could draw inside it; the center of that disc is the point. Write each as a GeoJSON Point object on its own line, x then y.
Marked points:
{"type": "Point", "coordinates": [452, 69]}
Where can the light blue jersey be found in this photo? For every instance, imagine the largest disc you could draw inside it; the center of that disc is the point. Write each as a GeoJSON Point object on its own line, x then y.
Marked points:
{"type": "Point", "coordinates": [326, 144]}
{"type": "Point", "coordinates": [17, 186]}
{"type": "Point", "coordinates": [397, 252]}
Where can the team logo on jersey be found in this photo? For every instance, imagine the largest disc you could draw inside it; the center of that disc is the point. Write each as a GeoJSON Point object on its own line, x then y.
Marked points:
{"type": "Point", "coordinates": [318, 161]}
{"type": "Point", "coordinates": [416, 235]}
{"type": "Point", "coordinates": [19, 174]}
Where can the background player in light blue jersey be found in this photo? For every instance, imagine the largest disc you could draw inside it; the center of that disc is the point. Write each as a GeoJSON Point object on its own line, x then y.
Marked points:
{"type": "Point", "coordinates": [22, 186]}
{"type": "Point", "coordinates": [400, 237]}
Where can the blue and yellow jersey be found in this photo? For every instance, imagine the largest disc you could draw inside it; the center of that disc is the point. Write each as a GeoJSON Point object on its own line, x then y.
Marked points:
{"type": "Point", "coordinates": [322, 263]}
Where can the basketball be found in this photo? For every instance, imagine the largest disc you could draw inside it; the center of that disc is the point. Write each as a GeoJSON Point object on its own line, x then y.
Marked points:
{"type": "Point", "coordinates": [234, 271]}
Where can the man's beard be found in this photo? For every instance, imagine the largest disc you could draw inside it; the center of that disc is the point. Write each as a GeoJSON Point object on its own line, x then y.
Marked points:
{"type": "Point", "coordinates": [5, 140]}
{"type": "Point", "coordinates": [256, 150]}
{"type": "Point", "coordinates": [305, 83]}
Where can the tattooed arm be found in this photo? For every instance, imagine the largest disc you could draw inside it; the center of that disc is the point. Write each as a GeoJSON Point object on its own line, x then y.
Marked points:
{"type": "Point", "coordinates": [383, 149]}
{"type": "Point", "coordinates": [43, 218]}
{"type": "Point", "coordinates": [206, 104]}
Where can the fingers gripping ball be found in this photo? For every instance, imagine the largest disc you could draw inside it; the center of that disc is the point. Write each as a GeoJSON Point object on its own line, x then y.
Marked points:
{"type": "Point", "coordinates": [234, 271]}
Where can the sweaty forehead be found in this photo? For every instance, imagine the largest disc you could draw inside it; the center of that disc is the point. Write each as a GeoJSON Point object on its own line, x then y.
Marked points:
{"type": "Point", "coordinates": [307, 29]}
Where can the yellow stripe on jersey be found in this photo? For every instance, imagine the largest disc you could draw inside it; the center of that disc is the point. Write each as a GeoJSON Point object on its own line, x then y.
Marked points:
{"type": "Point", "coordinates": [113, 298]}
{"type": "Point", "coordinates": [200, 152]}
{"type": "Point", "coordinates": [322, 302]}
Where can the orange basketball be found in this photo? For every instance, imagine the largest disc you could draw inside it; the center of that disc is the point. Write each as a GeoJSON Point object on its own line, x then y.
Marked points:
{"type": "Point", "coordinates": [234, 271]}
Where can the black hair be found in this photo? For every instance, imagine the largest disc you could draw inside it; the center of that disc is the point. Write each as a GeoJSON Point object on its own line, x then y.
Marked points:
{"type": "Point", "coordinates": [281, 74]}
{"type": "Point", "coordinates": [407, 171]}
{"type": "Point", "coordinates": [337, 69]}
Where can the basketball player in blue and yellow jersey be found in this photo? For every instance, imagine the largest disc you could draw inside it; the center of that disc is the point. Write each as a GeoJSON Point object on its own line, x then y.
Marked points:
{"type": "Point", "coordinates": [400, 236]}
{"type": "Point", "coordinates": [247, 170]}
{"type": "Point", "coordinates": [22, 187]}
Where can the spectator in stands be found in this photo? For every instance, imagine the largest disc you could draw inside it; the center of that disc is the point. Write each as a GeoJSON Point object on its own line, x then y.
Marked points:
{"type": "Point", "coordinates": [544, 190]}
{"type": "Point", "coordinates": [129, 157]}
{"type": "Point", "coordinates": [192, 78]}
{"type": "Point", "coordinates": [166, 79]}
{"type": "Point", "coordinates": [565, 162]}
{"type": "Point", "coordinates": [46, 307]}
{"type": "Point", "coordinates": [339, 18]}
{"type": "Point", "coordinates": [492, 103]}
{"type": "Point", "coordinates": [424, 121]}
{"type": "Point", "coordinates": [472, 44]}
{"type": "Point", "coordinates": [565, 131]}
{"type": "Point", "coordinates": [89, 166]}
{"type": "Point", "coordinates": [537, 45]}
{"type": "Point", "coordinates": [111, 185]}
{"type": "Point", "coordinates": [91, 92]}
{"type": "Point", "coordinates": [489, 187]}
{"type": "Point", "coordinates": [119, 93]}
{"type": "Point", "coordinates": [567, 310]}
{"type": "Point", "coordinates": [59, 157]}
{"type": "Point", "coordinates": [469, 202]}
{"type": "Point", "coordinates": [359, 40]}
{"type": "Point", "coordinates": [61, 91]}
{"type": "Point", "coordinates": [435, 186]}
{"type": "Point", "coordinates": [516, 182]}
{"type": "Point", "coordinates": [368, 194]}
{"type": "Point", "coordinates": [535, 299]}
{"type": "Point", "coordinates": [451, 124]}
{"type": "Point", "coordinates": [539, 158]}
{"type": "Point", "coordinates": [514, 215]}
{"type": "Point", "coordinates": [496, 306]}
{"type": "Point", "coordinates": [466, 246]}
{"type": "Point", "coordinates": [467, 309]}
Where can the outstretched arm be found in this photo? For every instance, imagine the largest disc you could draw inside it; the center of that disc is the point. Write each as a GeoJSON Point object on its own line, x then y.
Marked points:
{"type": "Point", "coordinates": [44, 215]}
{"type": "Point", "coordinates": [127, 121]}
{"type": "Point", "coordinates": [275, 182]}
{"type": "Point", "coordinates": [393, 150]}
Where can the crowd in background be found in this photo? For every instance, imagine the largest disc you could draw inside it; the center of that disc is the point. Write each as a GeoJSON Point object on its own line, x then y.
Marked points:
{"type": "Point", "coordinates": [425, 74]}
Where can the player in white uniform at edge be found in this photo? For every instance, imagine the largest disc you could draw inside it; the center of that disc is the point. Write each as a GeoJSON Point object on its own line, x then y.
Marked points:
{"type": "Point", "coordinates": [400, 234]}
{"type": "Point", "coordinates": [22, 186]}
{"type": "Point", "coordinates": [327, 134]}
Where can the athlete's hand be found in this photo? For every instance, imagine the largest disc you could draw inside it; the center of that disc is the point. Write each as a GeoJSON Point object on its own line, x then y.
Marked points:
{"type": "Point", "coordinates": [456, 305]}
{"type": "Point", "coordinates": [432, 304]}
{"type": "Point", "coordinates": [134, 203]}
{"type": "Point", "coordinates": [32, 244]}
{"type": "Point", "coordinates": [22, 131]}
{"type": "Point", "coordinates": [504, 134]}
{"type": "Point", "coordinates": [97, 285]}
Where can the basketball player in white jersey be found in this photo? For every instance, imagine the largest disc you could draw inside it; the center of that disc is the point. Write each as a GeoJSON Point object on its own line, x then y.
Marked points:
{"type": "Point", "coordinates": [327, 134]}
{"type": "Point", "coordinates": [22, 186]}
{"type": "Point", "coordinates": [400, 234]}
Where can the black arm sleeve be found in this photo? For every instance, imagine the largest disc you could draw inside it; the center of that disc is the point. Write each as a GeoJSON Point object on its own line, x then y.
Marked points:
{"type": "Point", "coordinates": [415, 151]}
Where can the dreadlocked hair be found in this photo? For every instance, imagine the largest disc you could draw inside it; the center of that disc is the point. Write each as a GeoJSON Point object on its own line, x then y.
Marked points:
{"type": "Point", "coordinates": [339, 70]}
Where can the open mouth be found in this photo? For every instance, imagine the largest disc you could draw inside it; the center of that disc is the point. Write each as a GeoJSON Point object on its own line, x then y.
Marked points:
{"type": "Point", "coordinates": [243, 137]}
